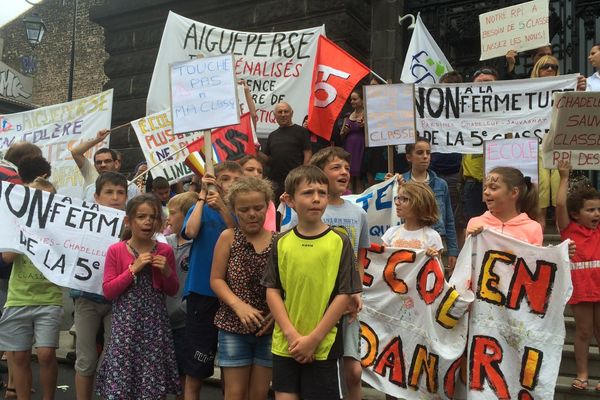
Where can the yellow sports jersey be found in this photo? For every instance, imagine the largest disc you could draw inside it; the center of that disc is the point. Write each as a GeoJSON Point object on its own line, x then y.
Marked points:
{"type": "Point", "coordinates": [310, 272]}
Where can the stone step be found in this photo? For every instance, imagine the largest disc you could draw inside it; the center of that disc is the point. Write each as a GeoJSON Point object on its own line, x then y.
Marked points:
{"type": "Point", "coordinates": [567, 364]}
{"type": "Point", "coordinates": [564, 391]}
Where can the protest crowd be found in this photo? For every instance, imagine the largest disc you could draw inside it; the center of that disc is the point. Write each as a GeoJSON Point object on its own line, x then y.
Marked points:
{"type": "Point", "coordinates": [264, 265]}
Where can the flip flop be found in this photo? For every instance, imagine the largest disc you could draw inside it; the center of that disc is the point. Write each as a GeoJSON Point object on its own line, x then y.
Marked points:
{"type": "Point", "coordinates": [12, 395]}
{"type": "Point", "coordinates": [579, 384]}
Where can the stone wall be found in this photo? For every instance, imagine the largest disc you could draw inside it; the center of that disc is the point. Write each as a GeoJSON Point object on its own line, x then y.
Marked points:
{"type": "Point", "coordinates": [49, 62]}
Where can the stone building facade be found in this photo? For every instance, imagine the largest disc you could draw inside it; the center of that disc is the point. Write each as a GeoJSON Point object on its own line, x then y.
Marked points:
{"type": "Point", "coordinates": [49, 62]}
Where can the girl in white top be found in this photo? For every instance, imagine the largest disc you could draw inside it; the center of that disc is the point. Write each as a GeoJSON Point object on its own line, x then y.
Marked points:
{"type": "Point", "coordinates": [416, 206]}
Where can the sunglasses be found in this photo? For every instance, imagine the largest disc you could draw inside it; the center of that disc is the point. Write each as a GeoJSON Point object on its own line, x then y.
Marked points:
{"type": "Point", "coordinates": [553, 67]}
{"type": "Point", "coordinates": [485, 71]}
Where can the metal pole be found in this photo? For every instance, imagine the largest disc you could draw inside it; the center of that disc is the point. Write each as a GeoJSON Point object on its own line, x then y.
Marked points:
{"type": "Point", "coordinates": [72, 69]}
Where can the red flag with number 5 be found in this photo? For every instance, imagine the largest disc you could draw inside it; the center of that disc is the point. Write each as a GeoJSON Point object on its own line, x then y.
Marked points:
{"type": "Point", "coordinates": [335, 74]}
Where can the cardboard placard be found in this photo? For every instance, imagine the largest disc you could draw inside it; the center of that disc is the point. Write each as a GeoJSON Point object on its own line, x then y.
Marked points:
{"type": "Point", "coordinates": [203, 94]}
{"type": "Point", "coordinates": [520, 153]}
{"type": "Point", "coordinates": [521, 27]}
{"type": "Point", "coordinates": [389, 114]}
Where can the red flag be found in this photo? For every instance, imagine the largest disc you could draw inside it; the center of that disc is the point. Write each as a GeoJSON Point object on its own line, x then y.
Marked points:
{"type": "Point", "coordinates": [335, 74]}
{"type": "Point", "coordinates": [229, 143]}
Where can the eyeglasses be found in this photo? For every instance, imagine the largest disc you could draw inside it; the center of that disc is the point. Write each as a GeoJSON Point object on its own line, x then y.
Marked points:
{"type": "Point", "coordinates": [485, 71]}
{"type": "Point", "coordinates": [101, 162]}
{"type": "Point", "coordinates": [553, 67]}
{"type": "Point", "coordinates": [401, 199]}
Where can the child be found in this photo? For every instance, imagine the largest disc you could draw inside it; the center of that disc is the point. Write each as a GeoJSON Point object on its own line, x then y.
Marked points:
{"type": "Point", "coordinates": [33, 310]}
{"type": "Point", "coordinates": [512, 203]}
{"type": "Point", "coordinates": [91, 311]}
{"type": "Point", "coordinates": [204, 223]}
{"type": "Point", "coordinates": [176, 306]}
{"type": "Point", "coordinates": [419, 157]}
{"type": "Point", "coordinates": [416, 205]}
{"type": "Point", "coordinates": [243, 317]}
{"type": "Point", "coordinates": [253, 166]}
{"type": "Point", "coordinates": [350, 219]}
{"type": "Point", "coordinates": [316, 267]}
{"type": "Point", "coordinates": [578, 218]}
{"type": "Point", "coordinates": [140, 359]}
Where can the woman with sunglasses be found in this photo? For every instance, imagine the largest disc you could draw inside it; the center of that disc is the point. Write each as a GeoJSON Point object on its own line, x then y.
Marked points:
{"type": "Point", "coordinates": [549, 179]}
{"type": "Point", "coordinates": [593, 82]}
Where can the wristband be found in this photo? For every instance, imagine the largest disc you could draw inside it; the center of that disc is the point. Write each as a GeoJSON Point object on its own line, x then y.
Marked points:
{"type": "Point", "coordinates": [133, 275]}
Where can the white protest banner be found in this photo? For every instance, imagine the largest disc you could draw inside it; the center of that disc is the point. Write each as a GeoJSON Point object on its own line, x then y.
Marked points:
{"type": "Point", "coordinates": [516, 323]}
{"type": "Point", "coordinates": [519, 153]}
{"type": "Point", "coordinates": [159, 143]}
{"type": "Point", "coordinates": [413, 327]}
{"type": "Point", "coordinates": [56, 129]}
{"type": "Point", "coordinates": [424, 62]}
{"type": "Point", "coordinates": [377, 201]}
{"type": "Point", "coordinates": [457, 118]}
{"type": "Point", "coordinates": [574, 131]}
{"type": "Point", "coordinates": [520, 27]}
{"type": "Point", "coordinates": [277, 66]}
{"type": "Point", "coordinates": [65, 238]}
{"type": "Point", "coordinates": [390, 114]}
{"type": "Point", "coordinates": [203, 94]}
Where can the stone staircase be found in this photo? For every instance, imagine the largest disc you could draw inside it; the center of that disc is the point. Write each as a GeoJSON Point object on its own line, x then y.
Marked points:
{"type": "Point", "coordinates": [567, 366]}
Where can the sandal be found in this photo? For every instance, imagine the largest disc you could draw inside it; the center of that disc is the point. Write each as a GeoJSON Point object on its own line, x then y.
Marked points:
{"type": "Point", "coordinates": [12, 395]}
{"type": "Point", "coordinates": [579, 384]}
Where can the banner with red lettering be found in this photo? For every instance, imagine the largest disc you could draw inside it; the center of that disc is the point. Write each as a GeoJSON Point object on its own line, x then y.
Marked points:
{"type": "Point", "coordinates": [416, 332]}
{"type": "Point", "coordinates": [230, 142]}
{"type": "Point", "coordinates": [162, 148]}
{"type": "Point", "coordinates": [277, 66]}
{"type": "Point", "coordinates": [516, 323]}
{"type": "Point", "coordinates": [335, 74]}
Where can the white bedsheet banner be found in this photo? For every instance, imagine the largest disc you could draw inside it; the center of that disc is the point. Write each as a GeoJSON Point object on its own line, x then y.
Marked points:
{"type": "Point", "coordinates": [277, 66]}
{"type": "Point", "coordinates": [459, 117]}
{"type": "Point", "coordinates": [58, 128]}
{"type": "Point", "coordinates": [65, 238]}
{"type": "Point", "coordinates": [414, 326]}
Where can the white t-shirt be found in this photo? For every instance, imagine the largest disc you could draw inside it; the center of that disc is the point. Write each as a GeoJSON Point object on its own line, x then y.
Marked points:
{"type": "Point", "coordinates": [424, 238]}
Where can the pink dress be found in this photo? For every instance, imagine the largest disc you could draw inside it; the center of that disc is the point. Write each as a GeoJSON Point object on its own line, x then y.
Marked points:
{"type": "Point", "coordinates": [585, 264]}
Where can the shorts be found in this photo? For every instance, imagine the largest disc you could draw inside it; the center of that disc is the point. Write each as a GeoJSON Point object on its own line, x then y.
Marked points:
{"type": "Point", "coordinates": [21, 326]}
{"type": "Point", "coordinates": [351, 338]}
{"type": "Point", "coordinates": [236, 350]}
{"type": "Point", "coordinates": [179, 345]}
{"type": "Point", "coordinates": [473, 205]}
{"type": "Point", "coordinates": [200, 335]}
{"type": "Point", "coordinates": [316, 380]}
{"type": "Point", "coordinates": [88, 317]}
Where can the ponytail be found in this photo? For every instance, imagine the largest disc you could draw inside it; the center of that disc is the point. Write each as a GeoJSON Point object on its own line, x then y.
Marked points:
{"type": "Point", "coordinates": [527, 202]}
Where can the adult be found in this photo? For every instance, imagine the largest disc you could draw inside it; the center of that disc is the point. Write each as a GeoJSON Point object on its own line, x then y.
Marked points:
{"type": "Point", "coordinates": [105, 160]}
{"type": "Point", "coordinates": [16, 153]}
{"type": "Point", "coordinates": [549, 179]}
{"type": "Point", "coordinates": [472, 165]}
{"type": "Point", "coordinates": [353, 137]}
{"type": "Point", "coordinates": [287, 147]}
{"type": "Point", "coordinates": [593, 81]}
{"type": "Point", "coordinates": [535, 55]}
